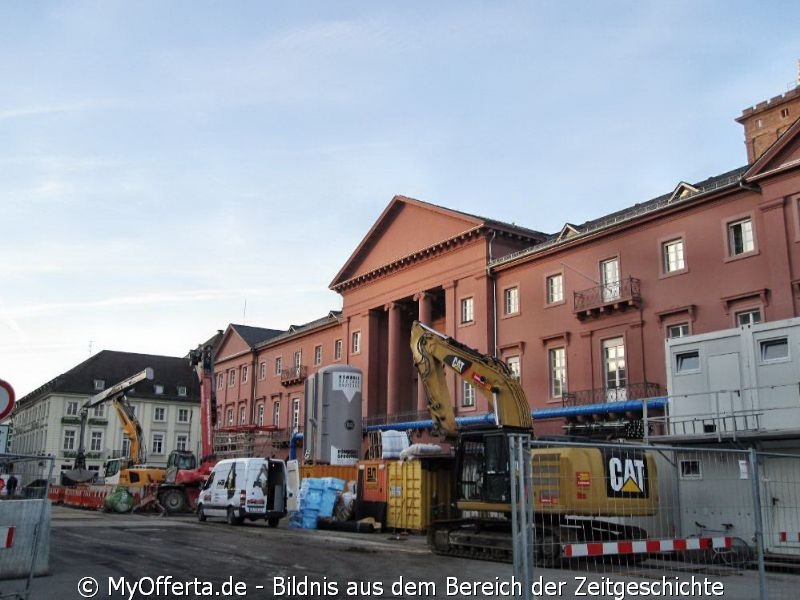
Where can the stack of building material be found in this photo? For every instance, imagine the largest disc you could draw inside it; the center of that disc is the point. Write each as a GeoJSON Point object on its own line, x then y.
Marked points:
{"type": "Point", "coordinates": [317, 499]}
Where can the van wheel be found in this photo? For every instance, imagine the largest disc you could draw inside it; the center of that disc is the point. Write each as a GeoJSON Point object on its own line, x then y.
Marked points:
{"type": "Point", "coordinates": [273, 521]}
{"type": "Point", "coordinates": [232, 518]}
{"type": "Point", "coordinates": [201, 516]}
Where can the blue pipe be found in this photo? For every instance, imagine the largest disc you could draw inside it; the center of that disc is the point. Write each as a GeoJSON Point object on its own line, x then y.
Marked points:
{"type": "Point", "coordinates": [297, 435]}
{"type": "Point", "coordinates": [541, 413]}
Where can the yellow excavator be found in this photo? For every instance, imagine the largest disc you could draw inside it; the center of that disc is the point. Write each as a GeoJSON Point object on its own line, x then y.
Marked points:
{"type": "Point", "coordinates": [574, 487]}
{"type": "Point", "coordinates": [131, 470]}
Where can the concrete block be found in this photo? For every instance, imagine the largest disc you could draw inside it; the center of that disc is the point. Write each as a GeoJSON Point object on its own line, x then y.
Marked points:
{"type": "Point", "coordinates": [24, 516]}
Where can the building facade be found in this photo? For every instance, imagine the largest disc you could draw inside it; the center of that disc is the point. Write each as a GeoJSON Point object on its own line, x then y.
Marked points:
{"type": "Point", "coordinates": [581, 315]}
{"type": "Point", "coordinates": [47, 421]}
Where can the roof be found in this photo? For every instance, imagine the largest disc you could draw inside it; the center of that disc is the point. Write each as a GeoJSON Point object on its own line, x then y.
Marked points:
{"type": "Point", "coordinates": [333, 317]}
{"type": "Point", "coordinates": [112, 366]}
{"type": "Point", "coordinates": [255, 335]}
{"type": "Point", "coordinates": [690, 191]}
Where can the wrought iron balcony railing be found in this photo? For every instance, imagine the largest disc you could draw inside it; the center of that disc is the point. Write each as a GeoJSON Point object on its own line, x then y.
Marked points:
{"type": "Point", "coordinates": [633, 391]}
{"type": "Point", "coordinates": [610, 296]}
{"type": "Point", "coordinates": [294, 375]}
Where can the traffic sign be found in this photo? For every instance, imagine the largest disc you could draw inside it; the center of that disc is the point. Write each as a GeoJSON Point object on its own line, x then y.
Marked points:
{"type": "Point", "coordinates": [6, 399]}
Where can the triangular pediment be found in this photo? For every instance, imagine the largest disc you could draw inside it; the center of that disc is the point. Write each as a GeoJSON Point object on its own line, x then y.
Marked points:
{"type": "Point", "coordinates": [405, 227]}
{"type": "Point", "coordinates": [784, 154]}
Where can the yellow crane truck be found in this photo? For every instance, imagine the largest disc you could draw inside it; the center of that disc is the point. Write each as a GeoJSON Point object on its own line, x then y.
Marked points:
{"type": "Point", "coordinates": [574, 488]}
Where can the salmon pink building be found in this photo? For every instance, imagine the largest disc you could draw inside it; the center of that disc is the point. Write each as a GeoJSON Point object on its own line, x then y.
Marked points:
{"type": "Point", "coordinates": [580, 315]}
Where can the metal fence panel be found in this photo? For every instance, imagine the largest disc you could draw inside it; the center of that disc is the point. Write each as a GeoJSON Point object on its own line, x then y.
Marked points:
{"type": "Point", "coordinates": [685, 515]}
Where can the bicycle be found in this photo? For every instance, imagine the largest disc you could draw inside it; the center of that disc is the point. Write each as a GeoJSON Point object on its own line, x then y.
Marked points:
{"type": "Point", "coordinates": [725, 550]}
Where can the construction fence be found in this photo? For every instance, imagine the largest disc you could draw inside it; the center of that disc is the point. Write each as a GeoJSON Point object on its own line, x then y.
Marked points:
{"type": "Point", "coordinates": [24, 523]}
{"type": "Point", "coordinates": [671, 514]}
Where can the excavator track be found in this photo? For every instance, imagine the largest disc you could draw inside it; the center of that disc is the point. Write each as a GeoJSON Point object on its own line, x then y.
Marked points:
{"type": "Point", "coordinates": [490, 539]}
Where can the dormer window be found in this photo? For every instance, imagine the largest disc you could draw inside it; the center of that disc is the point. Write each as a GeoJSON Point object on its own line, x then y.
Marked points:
{"type": "Point", "coordinates": [181, 390]}
{"type": "Point", "coordinates": [99, 385]}
{"type": "Point", "coordinates": [159, 388]}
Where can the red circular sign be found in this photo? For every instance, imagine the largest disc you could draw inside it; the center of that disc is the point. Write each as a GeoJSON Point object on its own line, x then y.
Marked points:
{"type": "Point", "coordinates": [6, 399]}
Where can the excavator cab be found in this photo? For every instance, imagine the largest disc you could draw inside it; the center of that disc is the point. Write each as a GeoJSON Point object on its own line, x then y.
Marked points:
{"type": "Point", "coordinates": [484, 478]}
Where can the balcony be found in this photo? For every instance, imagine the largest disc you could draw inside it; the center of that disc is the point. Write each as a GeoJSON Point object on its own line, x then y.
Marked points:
{"type": "Point", "coordinates": [607, 298]}
{"type": "Point", "coordinates": [294, 375]}
{"type": "Point", "coordinates": [633, 391]}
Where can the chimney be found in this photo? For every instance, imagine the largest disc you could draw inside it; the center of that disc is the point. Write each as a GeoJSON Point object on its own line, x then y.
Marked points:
{"type": "Point", "coordinates": [765, 122]}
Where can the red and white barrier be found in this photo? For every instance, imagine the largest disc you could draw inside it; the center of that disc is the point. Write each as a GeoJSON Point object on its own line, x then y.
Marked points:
{"type": "Point", "coordinates": [789, 536]}
{"type": "Point", "coordinates": [6, 537]}
{"type": "Point", "coordinates": [644, 546]}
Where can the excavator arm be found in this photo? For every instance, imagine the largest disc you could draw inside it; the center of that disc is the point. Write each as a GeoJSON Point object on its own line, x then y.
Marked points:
{"type": "Point", "coordinates": [432, 351]}
{"type": "Point", "coordinates": [131, 427]}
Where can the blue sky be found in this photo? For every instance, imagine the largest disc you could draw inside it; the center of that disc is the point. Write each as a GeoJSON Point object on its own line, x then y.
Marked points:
{"type": "Point", "coordinates": [164, 165]}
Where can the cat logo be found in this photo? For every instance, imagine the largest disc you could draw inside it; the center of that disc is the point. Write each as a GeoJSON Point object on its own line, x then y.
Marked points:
{"type": "Point", "coordinates": [627, 476]}
{"type": "Point", "coordinates": [459, 364]}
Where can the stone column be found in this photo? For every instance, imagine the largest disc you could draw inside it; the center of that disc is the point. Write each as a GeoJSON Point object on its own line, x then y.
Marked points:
{"type": "Point", "coordinates": [424, 301]}
{"type": "Point", "coordinates": [393, 360]}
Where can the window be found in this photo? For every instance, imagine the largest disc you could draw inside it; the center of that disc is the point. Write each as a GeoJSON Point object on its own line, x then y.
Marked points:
{"type": "Point", "coordinates": [775, 350]}
{"type": "Point", "coordinates": [229, 416]}
{"type": "Point", "coordinates": [677, 331]}
{"type": "Point", "coordinates": [157, 447]}
{"type": "Point", "coordinates": [513, 365]}
{"type": "Point", "coordinates": [740, 237]}
{"type": "Point", "coordinates": [159, 389]}
{"type": "Point", "coordinates": [295, 414]}
{"type": "Point", "coordinates": [100, 411]}
{"type": "Point", "coordinates": [616, 374]}
{"type": "Point", "coordinates": [511, 300]}
{"type": "Point", "coordinates": [96, 443]}
{"type": "Point", "coordinates": [242, 415]}
{"type": "Point", "coordinates": [691, 469]}
{"type": "Point", "coordinates": [784, 113]}
{"type": "Point", "coordinates": [72, 408]}
{"type": "Point", "coordinates": [220, 381]}
{"type": "Point", "coordinates": [261, 415]}
{"type": "Point", "coordinates": [126, 445]}
{"type": "Point", "coordinates": [555, 288]}
{"type": "Point", "coordinates": [609, 279]}
{"type": "Point", "coordinates": [467, 310]}
{"type": "Point", "coordinates": [355, 346]}
{"type": "Point", "coordinates": [244, 373]}
{"type": "Point", "coordinates": [748, 317]}
{"type": "Point", "coordinates": [99, 385]}
{"type": "Point", "coordinates": [182, 390]}
{"type": "Point", "coordinates": [231, 377]}
{"type": "Point", "coordinates": [298, 359]}
{"type": "Point", "coordinates": [687, 362]}
{"type": "Point", "coordinates": [183, 415]}
{"type": "Point", "coordinates": [278, 366]}
{"type": "Point", "coordinates": [134, 409]}
{"type": "Point", "coordinates": [262, 370]}
{"type": "Point", "coordinates": [317, 355]}
{"type": "Point", "coordinates": [337, 350]}
{"type": "Point", "coordinates": [181, 441]}
{"type": "Point", "coordinates": [276, 413]}
{"type": "Point", "coordinates": [558, 371]}
{"type": "Point", "coordinates": [672, 256]}
{"type": "Point", "coordinates": [467, 394]}
{"type": "Point", "coordinates": [69, 439]}
{"type": "Point", "coordinates": [159, 413]}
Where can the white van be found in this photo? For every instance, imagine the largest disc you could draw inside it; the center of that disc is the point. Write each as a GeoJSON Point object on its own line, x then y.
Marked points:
{"type": "Point", "coordinates": [245, 488]}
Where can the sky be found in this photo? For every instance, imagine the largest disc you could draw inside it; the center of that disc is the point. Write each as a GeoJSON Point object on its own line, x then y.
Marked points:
{"type": "Point", "coordinates": [167, 168]}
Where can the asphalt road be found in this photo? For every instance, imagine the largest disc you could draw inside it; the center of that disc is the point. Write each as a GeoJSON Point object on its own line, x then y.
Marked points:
{"type": "Point", "coordinates": [137, 557]}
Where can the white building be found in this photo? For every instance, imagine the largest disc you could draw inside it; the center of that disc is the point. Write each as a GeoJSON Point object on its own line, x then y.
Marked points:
{"type": "Point", "coordinates": [47, 421]}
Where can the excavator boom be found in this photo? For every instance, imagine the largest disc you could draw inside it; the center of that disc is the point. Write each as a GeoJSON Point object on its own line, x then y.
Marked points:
{"type": "Point", "coordinates": [491, 376]}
